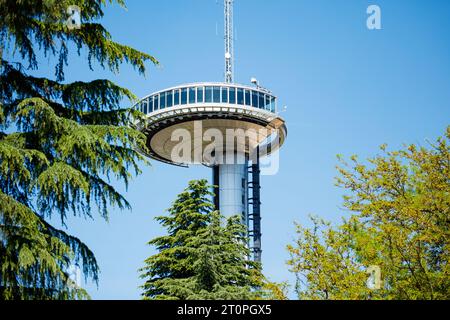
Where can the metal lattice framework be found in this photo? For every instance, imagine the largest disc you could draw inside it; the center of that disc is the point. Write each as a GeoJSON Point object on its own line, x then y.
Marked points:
{"type": "Point", "coordinates": [229, 49]}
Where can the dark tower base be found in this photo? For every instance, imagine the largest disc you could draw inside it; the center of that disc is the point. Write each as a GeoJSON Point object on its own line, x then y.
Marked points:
{"type": "Point", "coordinates": [255, 211]}
{"type": "Point", "coordinates": [216, 184]}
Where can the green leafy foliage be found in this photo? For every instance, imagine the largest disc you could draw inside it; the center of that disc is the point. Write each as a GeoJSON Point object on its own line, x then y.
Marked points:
{"type": "Point", "coordinates": [400, 205]}
{"type": "Point", "coordinates": [201, 257]}
{"type": "Point", "coordinates": [60, 143]}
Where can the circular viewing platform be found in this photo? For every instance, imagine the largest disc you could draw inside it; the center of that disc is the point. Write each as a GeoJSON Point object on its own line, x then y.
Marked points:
{"type": "Point", "coordinates": [219, 106]}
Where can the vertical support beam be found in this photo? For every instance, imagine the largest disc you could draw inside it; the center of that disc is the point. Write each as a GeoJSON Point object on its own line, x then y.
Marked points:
{"type": "Point", "coordinates": [216, 184]}
{"type": "Point", "coordinates": [256, 208]}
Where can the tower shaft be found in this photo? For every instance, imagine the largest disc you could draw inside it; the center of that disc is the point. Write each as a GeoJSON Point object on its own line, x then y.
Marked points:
{"type": "Point", "coordinates": [232, 192]}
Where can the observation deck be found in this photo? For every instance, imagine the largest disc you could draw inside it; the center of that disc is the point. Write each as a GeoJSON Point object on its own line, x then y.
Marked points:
{"type": "Point", "coordinates": [219, 106]}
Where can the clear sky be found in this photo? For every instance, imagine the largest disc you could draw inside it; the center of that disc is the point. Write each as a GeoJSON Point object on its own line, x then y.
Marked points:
{"type": "Point", "coordinates": [348, 90]}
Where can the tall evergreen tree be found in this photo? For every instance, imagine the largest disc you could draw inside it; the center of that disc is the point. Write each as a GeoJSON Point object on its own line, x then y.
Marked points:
{"type": "Point", "coordinates": [201, 257]}
{"type": "Point", "coordinates": [60, 143]}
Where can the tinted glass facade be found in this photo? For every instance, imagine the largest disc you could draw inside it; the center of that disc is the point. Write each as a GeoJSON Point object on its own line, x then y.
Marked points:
{"type": "Point", "coordinates": [169, 99]}
{"type": "Point", "coordinates": [156, 102]}
{"type": "Point", "coordinates": [208, 94]}
{"type": "Point", "coordinates": [162, 100]}
{"type": "Point", "coordinates": [184, 96]}
{"type": "Point", "coordinates": [225, 94]}
{"type": "Point", "coordinates": [248, 98]}
{"type": "Point", "coordinates": [232, 95]}
{"type": "Point", "coordinates": [177, 97]}
{"type": "Point", "coordinates": [216, 94]}
{"type": "Point", "coordinates": [240, 96]}
{"type": "Point", "coordinates": [150, 104]}
{"type": "Point", "coordinates": [200, 94]}
{"type": "Point", "coordinates": [191, 95]}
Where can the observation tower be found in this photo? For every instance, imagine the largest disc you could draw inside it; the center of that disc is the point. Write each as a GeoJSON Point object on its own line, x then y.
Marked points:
{"type": "Point", "coordinates": [226, 126]}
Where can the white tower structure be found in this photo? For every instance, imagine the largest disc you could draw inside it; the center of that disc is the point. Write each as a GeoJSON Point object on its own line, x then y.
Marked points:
{"type": "Point", "coordinates": [196, 109]}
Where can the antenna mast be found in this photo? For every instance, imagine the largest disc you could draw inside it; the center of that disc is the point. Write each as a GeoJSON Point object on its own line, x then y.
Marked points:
{"type": "Point", "coordinates": [229, 49]}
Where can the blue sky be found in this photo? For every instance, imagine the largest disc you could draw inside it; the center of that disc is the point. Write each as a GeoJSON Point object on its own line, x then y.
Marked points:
{"type": "Point", "coordinates": [348, 90]}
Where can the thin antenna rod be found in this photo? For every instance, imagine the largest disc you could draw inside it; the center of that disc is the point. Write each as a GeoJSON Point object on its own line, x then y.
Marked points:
{"type": "Point", "coordinates": [229, 49]}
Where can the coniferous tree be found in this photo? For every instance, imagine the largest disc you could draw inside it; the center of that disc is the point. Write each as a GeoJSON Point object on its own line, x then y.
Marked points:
{"type": "Point", "coordinates": [201, 257]}
{"type": "Point", "coordinates": [60, 143]}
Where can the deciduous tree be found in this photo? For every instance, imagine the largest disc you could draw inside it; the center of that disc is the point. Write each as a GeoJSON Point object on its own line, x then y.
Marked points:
{"type": "Point", "coordinates": [400, 218]}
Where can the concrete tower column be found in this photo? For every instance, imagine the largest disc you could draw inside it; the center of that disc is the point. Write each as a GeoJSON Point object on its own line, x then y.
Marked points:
{"type": "Point", "coordinates": [232, 194]}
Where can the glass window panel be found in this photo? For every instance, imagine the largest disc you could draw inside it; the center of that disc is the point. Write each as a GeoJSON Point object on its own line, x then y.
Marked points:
{"type": "Point", "coordinates": [176, 97]}
{"type": "Point", "coordinates": [267, 104]}
{"type": "Point", "coordinates": [156, 104]}
{"type": "Point", "coordinates": [216, 94]}
{"type": "Point", "coordinates": [191, 95]}
{"type": "Point", "coordinates": [232, 95]}
{"type": "Point", "coordinates": [272, 104]}
{"type": "Point", "coordinates": [200, 95]}
{"type": "Point", "coordinates": [162, 100]}
{"type": "Point", "coordinates": [224, 95]}
{"type": "Point", "coordinates": [247, 98]}
{"type": "Point", "coordinates": [145, 106]}
{"type": "Point", "coordinates": [261, 100]}
{"type": "Point", "coordinates": [169, 99]}
{"type": "Point", "coordinates": [240, 96]}
{"type": "Point", "coordinates": [255, 99]}
{"type": "Point", "coordinates": [184, 96]}
{"type": "Point", "coordinates": [150, 105]}
{"type": "Point", "coordinates": [208, 94]}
